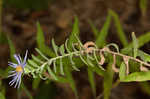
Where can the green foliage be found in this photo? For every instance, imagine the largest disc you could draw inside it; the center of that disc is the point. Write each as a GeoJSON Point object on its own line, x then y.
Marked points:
{"type": "Point", "coordinates": [58, 64]}
{"type": "Point", "coordinates": [100, 40]}
{"type": "Point", "coordinates": [2, 96]}
{"type": "Point", "coordinates": [12, 49]}
{"type": "Point", "coordinates": [119, 28]}
{"type": "Point", "coordinates": [41, 42]}
{"type": "Point", "coordinates": [3, 38]}
{"type": "Point", "coordinates": [143, 6]}
{"type": "Point", "coordinates": [75, 32]}
{"type": "Point", "coordinates": [135, 45]}
{"type": "Point", "coordinates": [108, 79]}
{"type": "Point", "coordinates": [92, 80]}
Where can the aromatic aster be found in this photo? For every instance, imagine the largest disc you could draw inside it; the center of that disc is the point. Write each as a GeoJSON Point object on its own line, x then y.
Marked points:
{"type": "Point", "coordinates": [19, 69]}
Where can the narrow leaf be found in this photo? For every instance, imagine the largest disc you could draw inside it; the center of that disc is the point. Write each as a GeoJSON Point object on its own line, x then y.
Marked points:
{"type": "Point", "coordinates": [75, 31]}
{"type": "Point", "coordinates": [41, 42]}
{"type": "Point", "coordinates": [122, 71]}
{"type": "Point", "coordinates": [70, 79]}
{"type": "Point", "coordinates": [143, 6]}
{"type": "Point", "coordinates": [12, 49]}
{"type": "Point", "coordinates": [108, 80]}
{"type": "Point", "coordinates": [92, 80]}
{"type": "Point", "coordinates": [41, 54]}
{"type": "Point", "coordinates": [120, 31]}
{"type": "Point", "coordinates": [135, 44]}
{"type": "Point", "coordinates": [101, 38]}
{"type": "Point", "coordinates": [137, 76]}
{"type": "Point", "coordinates": [51, 73]}
{"type": "Point", "coordinates": [55, 47]}
{"type": "Point", "coordinates": [94, 29]}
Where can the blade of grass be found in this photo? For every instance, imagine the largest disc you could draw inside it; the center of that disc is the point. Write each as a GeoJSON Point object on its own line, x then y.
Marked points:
{"type": "Point", "coordinates": [101, 38]}
{"type": "Point", "coordinates": [41, 42]}
{"type": "Point", "coordinates": [120, 31]}
{"type": "Point", "coordinates": [92, 80]}
{"type": "Point", "coordinates": [108, 80]}
{"type": "Point", "coordinates": [75, 32]}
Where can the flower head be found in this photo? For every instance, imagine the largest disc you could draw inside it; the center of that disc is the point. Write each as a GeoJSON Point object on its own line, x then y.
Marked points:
{"type": "Point", "coordinates": [19, 69]}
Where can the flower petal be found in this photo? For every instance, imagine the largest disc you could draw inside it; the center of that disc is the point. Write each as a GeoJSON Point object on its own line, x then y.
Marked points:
{"type": "Point", "coordinates": [17, 58]}
{"type": "Point", "coordinates": [14, 80]}
{"type": "Point", "coordinates": [17, 81]}
{"type": "Point", "coordinates": [25, 59]}
{"type": "Point", "coordinates": [12, 64]}
{"type": "Point", "coordinates": [14, 74]}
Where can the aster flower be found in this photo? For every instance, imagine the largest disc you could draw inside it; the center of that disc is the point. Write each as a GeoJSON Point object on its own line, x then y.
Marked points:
{"type": "Point", "coordinates": [19, 69]}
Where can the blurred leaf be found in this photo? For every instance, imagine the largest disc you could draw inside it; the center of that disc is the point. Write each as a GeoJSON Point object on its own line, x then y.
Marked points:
{"type": "Point", "coordinates": [75, 32]}
{"type": "Point", "coordinates": [55, 47]}
{"type": "Point", "coordinates": [41, 42]}
{"type": "Point", "coordinates": [51, 73]}
{"type": "Point", "coordinates": [144, 56]}
{"type": "Point", "coordinates": [143, 6]}
{"type": "Point", "coordinates": [143, 39]}
{"type": "Point", "coordinates": [3, 38]}
{"type": "Point", "coordinates": [92, 80]}
{"type": "Point", "coordinates": [94, 29]}
{"type": "Point", "coordinates": [35, 83]}
{"type": "Point", "coordinates": [122, 71]}
{"type": "Point", "coordinates": [2, 96]}
{"type": "Point", "coordinates": [101, 38]}
{"type": "Point", "coordinates": [108, 80]}
{"type": "Point", "coordinates": [70, 79]}
{"type": "Point", "coordinates": [137, 76]}
{"type": "Point", "coordinates": [12, 49]}
{"type": "Point", "coordinates": [135, 44]}
{"type": "Point", "coordinates": [26, 91]}
{"type": "Point", "coordinates": [120, 31]}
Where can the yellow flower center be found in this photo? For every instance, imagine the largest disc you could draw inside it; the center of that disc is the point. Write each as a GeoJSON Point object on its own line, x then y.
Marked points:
{"type": "Point", "coordinates": [19, 69]}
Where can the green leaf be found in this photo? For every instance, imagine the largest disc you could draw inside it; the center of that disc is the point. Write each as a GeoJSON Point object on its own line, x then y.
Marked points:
{"type": "Point", "coordinates": [41, 54]}
{"type": "Point", "coordinates": [41, 42]}
{"type": "Point", "coordinates": [36, 82]}
{"type": "Point", "coordinates": [143, 39]}
{"type": "Point", "coordinates": [108, 80]}
{"type": "Point", "coordinates": [70, 79]}
{"type": "Point", "coordinates": [55, 47]}
{"type": "Point", "coordinates": [143, 6]}
{"type": "Point", "coordinates": [120, 31]}
{"type": "Point", "coordinates": [115, 46]}
{"type": "Point", "coordinates": [26, 91]}
{"type": "Point", "coordinates": [137, 76]}
{"type": "Point", "coordinates": [51, 73]}
{"type": "Point", "coordinates": [75, 32]}
{"type": "Point", "coordinates": [2, 96]}
{"type": "Point", "coordinates": [101, 38]}
{"type": "Point", "coordinates": [94, 29]}
{"type": "Point", "coordinates": [31, 62]}
{"type": "Point", "coordinates": [62, 49]}
{"type": "Point", "coordinates": [122, 71]}
{"type": "Point", "coordinates": [12, 49]}
{"type": "Point", "coordinates": [135, 44]}
{"type": "Point", "coordinates": [61, 67]}
{"type": "Point", "coordinates": [36, 59]}
{"type": "Point", "coordinates": [144, 56]}
{"type": "Point", "coordinates": [92, 81]}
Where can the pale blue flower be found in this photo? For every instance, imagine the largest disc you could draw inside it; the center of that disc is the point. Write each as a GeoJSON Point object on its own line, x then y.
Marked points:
{"type": "Point", "coordinates": [19, 69]}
